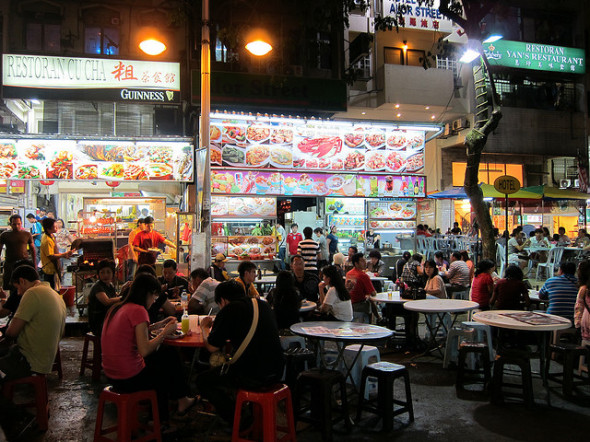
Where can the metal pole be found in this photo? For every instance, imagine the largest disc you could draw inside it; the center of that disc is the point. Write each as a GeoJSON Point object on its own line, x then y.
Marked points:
{"type": "Point", "coordinates": [506, 247]}
{"type": "Point", "coordinates": [204, 131]}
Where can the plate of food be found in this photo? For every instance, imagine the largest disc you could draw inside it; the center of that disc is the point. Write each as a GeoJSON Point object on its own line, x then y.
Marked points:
{"type": "Point", "coordinates": [35, 152]}
{"type": "Point", "coordinates": [234, 134]}
{"type": "Point", "coordinates": [257, 134]}
{"type": "Point", "coordinates": [214, 134]}
{"type": "Point", "coordinates": [376, 160]}
{"type": "Point", "coordinates": [216, 156]}
{"type": "Point", "coordinates": [61, 166]}
{"type": "Point", "coordinates": [7, 169]}
{"type": "Point", "coordinates": [397, 141]}
{"type": "Point", "coordinates": [281, 136]}
{"type": "Point", "coordinates": [337, 164]}
{"type": "Point", "coordinates": [311, 163]}
{"type": "Point", "coordinates": [134, 172]}
{"type": "Point", "coordinates": [355, 138]}
{"type": "Point", "coordinates": [375, 140]}
{"type": "Point", "coordinates": [395, 162]}
{"type": "Point", "coordinates": [416, 140]}
{"type": "Point", "coordinates": [160, 154]}
{"type": "Point", "coordinates": [280, 157]}
{"type": "Point", "coordinates": [354, 160]}
{"type": "Point", "coordinates": [415, 162]}
{"type": "Point", "coordinates": [86, 172]}
{"type": "Point", "coordinates": [7, 151]}
{"type": "Point", "coordinates": [408, 212]}
{"type": "Point", "coordinates": [112, 171]}
{"type": "Point", "coordinates": [178, 334]}
{"type": "Point", "coordinates": [157, 171]}
{"type": "Point", "coordinates": [233, 155]}
{"type": "Point", "coordinates": [28, 172]}
{"type": "Point", "coordinates": [257, 156]}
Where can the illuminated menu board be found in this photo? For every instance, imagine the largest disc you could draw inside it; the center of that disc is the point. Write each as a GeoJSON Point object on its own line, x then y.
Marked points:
{"type": "Point", "coordinates": [243, 207]}
{"type": "Point", "coordinates": [316, 146]}
{"type": "Point", "coordinates": [308, 184]}
{"type": "Point", "coordinates": [33, 159]}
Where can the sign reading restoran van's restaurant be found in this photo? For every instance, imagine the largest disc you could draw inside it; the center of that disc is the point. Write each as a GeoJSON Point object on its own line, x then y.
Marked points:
{"type": "Point", "coordinates": [49, 77]}
{"type": "Point", "coordinates": [540, 57]}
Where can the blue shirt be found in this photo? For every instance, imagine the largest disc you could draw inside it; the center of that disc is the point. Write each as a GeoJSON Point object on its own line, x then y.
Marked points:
{"type": "Point", "coordinates": [333, 243]}
{"type": "Point", "coordinates": [561, 292]}
{"type": "Point", "coordinates": [36, 228]}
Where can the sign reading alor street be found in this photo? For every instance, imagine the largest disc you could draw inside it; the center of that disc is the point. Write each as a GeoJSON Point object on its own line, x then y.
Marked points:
{"type": "Point", "coordinates": [41, 76]}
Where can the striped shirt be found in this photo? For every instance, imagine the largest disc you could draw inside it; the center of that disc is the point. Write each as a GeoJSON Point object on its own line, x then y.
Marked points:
{"type": "Point", "coordinates": [562, 292]}
{"type": "Point", "coordinates": [308, 249]}
{"type": "Point", "coordinates": [459, 273]}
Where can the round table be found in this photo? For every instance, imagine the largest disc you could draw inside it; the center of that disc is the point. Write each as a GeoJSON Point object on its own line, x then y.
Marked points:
{"type": "Point", "coordinates": [377, 278]}
{"type": "Point", "coordinates": [534, 297]}
{"type": "Point", "coordinates": [343, 334]}
{"type": "Point", "coordinates": [267, 279]}
{"type": "Point", "coordinates": [307, 306]}
{"type": "Point", "coordinates": [440, 307]}
{"type": "Point", "coordinates": [192, 340]}
{"type": "Point", "coordinates": [395, 298]}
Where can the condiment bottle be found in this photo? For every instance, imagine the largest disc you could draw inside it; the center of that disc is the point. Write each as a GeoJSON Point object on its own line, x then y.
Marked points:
{"type": "Point", "coordinates": [185, 323]}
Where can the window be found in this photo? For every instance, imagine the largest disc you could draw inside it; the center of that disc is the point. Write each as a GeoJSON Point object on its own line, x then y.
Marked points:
{"type": "Point", "coordinates": [488, 172]}
{"type": "Point", "coordinates": [41, 26]}
{"type": "Point", "coordinates": [101, 31]}
{"type": "Point", "coordinates": [411, 57]}
{"type": "Point", "coordinates": [394, 56]}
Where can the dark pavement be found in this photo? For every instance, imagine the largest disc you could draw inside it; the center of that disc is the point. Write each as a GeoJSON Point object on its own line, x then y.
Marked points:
{"type": "Point", "coordinates": [439, 413]}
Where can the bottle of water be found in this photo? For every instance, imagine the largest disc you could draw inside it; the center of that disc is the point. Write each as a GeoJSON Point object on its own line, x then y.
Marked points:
{"type": "Point", "coordinates": [184, 297]}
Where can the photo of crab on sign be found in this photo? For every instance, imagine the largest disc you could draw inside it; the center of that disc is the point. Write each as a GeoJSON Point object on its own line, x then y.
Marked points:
{"type": "Point", "coordinates": [286, 144]}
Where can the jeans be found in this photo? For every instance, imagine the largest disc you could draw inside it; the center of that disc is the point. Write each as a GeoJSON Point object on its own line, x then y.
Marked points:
{"type": "Point", "coordinates": [282, 256]}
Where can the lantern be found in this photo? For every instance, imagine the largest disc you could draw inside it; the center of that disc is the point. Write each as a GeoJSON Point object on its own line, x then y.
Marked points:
{"type": "Point", "coordinates": [47, 182]}
{"type": "Point", "coordinates": [113, 183]}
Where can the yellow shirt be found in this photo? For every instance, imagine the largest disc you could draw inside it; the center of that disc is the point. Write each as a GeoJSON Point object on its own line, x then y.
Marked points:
{"type": "Point", "coordinates": [252, 292]}
{"type": "Point", "coordinates": [47, 249]}
{"type": "Point", "coordinates": [44, 312]}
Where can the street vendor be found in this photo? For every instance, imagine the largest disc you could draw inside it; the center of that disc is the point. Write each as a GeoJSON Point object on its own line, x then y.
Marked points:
{"type": "Point", "coordinates": [146, 241]}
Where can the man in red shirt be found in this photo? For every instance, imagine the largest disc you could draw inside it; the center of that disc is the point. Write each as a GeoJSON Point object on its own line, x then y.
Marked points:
{"type": "Point", "coordinates": [359, 286]}
{"type": "Point", "coordinates": [293, 239]}
{"type": "Point", "coordinates": [147, 240]}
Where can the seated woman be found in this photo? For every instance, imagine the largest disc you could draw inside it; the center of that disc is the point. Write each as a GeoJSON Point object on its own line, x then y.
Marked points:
{"type": "Point", "coordinates": [134, 362]}
{"type": "Point", "coordinates": [376, 267]}
{"type": "Point", "coordinates": [102, 296]}
{"type": "Point", "coordinates": [285, 300]}
{"type": "Point", "coordinates": [482, 286]}
{"type": "Point", "coordinates": [335, 303]}
{"type": "Point", "coordinates": [338, 261]}
{"type": "Point", "coordinates": [510, 292]}
{"type": "Point", "coordinates": [435, 285]}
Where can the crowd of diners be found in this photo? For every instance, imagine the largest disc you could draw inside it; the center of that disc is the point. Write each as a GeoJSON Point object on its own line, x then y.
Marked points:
{"type": "Point", "coordinates": [134, 321]}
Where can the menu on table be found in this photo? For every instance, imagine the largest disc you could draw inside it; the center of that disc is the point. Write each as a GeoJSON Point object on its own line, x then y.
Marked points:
{"type": "Point", "coordinates": [307, 184]}
{"type": "Point", "coordinates": [316, 146]}
{"type": "Point", "coordinates": [96, 160]}
{"type": "Point", "coordinates": [533, 318]}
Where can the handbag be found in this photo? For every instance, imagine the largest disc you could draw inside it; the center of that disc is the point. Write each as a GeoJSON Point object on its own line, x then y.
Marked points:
{"type": "Point", "coordinates": [224, 359]}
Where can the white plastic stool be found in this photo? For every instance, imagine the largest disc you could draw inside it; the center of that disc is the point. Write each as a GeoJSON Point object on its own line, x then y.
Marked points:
{"type": "Point", "coordinates": [483, 333]}
{"type": "Point", "coordinates": [452, 346]}
{"type": "Point", "coordinates": [368, 355]}
{"type": "Point", "coordinates": [463, 294]}
{"type": "Point", "coordinates": [286, 341]}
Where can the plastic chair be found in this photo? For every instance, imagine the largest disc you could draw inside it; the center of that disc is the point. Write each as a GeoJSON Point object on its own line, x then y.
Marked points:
{"type": "Point", "coordinates": [500, 259]}
{"type": "Point", "coordinates": [483, 333]}
{"type": "Point", "coordinates": [466, 348]}
{"type": "Point", "coordinates": [41, 401]}
{"type": "Point", "coordinates": [452, 346]}
{"type": "Point", "coordinates": [93, 364]}
{"type": "Point", "coordinates": [265, 419]}
{"type": "Point", "coordinates": [520, 358]}
{"type": "Point", "coordinates": [386, 374]}
{"type": "Point", "coordinates": [127, 420]}
{"type": "Point", "coordinates": [553, 260]}
{"type": "Point", "coordinates": [368, 355]}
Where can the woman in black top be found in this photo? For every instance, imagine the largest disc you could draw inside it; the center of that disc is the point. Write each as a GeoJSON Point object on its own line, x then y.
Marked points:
{"type": "Point", "coordinates": [102, 296]}
{"type": "Point", "coordinates": [285, 300]}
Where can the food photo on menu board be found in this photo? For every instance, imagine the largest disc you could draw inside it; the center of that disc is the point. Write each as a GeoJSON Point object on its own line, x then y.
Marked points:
{"type": "Point", "coordinates": [300, 184]}
{"type": "Point", "coordinates": [392, 210]}
{"type": "Point", "coordinates": [313, 146]}
{"type": "Point", "coordinates": [243, 207]}
{"type": "Point", "coordinates": [96, 160]}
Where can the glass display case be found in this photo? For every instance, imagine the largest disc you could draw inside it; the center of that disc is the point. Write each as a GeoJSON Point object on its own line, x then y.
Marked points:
{"type": "Point", "coordinates": [394, 221]}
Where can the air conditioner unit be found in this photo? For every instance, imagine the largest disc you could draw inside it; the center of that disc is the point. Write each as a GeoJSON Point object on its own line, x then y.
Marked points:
{"type": "Point", "coordinates": [564, 183]}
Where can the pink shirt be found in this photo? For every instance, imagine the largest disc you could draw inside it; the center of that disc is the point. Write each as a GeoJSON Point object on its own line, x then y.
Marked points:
{"type": "Point", "coordinates": [120, 357]}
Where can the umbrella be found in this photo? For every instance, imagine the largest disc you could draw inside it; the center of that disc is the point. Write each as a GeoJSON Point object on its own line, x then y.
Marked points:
{"type": "Point", "coordinates": [553, 193]}
{"type": "Point", "coordinates": [488, 192]}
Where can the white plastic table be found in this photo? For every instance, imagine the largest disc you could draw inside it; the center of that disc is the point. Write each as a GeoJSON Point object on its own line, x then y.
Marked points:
{"type": "Point", "coordinates": [307, 306]}
{"type": "Point", "coordinates": [395, 298]}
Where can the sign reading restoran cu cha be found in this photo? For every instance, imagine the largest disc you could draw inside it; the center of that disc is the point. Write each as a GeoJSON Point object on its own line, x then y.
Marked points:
{"type": "Point", "coordinates": [51, 77]}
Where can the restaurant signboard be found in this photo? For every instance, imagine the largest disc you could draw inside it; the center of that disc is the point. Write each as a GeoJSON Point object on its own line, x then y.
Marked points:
{"type": "Point", "coordinates": [535, 56]}
{"type": "Point", "coordinates": [72, 78]}
{"type": "Point", "coordinates": [418, 16]}
{"type": "Point", "coordinates": [95, 160]}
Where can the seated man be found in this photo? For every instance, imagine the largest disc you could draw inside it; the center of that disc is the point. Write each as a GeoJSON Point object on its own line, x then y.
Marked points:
{"type": "Point", "coordinates": [538, 241]}
{"type": "Point", "coordinates": [172, 285]}
{"type": "Point", "coordinates": [561, 291]}
{"type": "Point", "coordinates": [306, 283]}
{"type": "Point", "coordinates": [458, 274]}
{"type": "Point", "coordinates": [564, 240]}
{"type": "Point", "coordinates": [247, 271]}
{"type": "Point", "coordinates": [217, 269]}
{"type": "Point", "coordinates": [203, 287]}
{"type": "Point", "coordinates": [37, 327]}
{"type": "Point", "coordinates": [261, 363]}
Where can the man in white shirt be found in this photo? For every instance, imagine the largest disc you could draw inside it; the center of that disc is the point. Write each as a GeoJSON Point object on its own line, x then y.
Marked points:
{"type": "Point", "coordinates": [281, 236]}
{"type": "Point", "coordinates": [538, 242]}
{"type": "Point", "coordinates": [203, 287]}
{"type": "Point", "coordinates": [321, 240]}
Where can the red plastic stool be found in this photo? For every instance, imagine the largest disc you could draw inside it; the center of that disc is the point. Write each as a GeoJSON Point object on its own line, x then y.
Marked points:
{"type": "Point", "coordinates": [41, 401]}
{"type": "Point", "coordinates": [93, 364]}
{"type": "Point", "coordinates": [127, 408]}
{"type": "Point", "coordinates": [266, 402]}
{"type": "Point", "coordinates": [57, 365]}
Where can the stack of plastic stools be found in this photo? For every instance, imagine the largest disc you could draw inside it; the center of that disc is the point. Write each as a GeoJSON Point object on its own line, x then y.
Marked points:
{"type": "Point", "coordinates": [366, 356]}
{"type": "Point", "coordinates": [296, 361]}
{"type": "Point", "coordinates": [128, 405]}
{"type": "Point", "coordinates": [454, 336]}
{"type": "Point", "coordinates": [465, 348]}
{"type": "Point", "coordinates": [520, 358]}
{"type": "Point", "coordinates": [93, 364]}
{"type": "Point", "coordinates": [265, 420]}
{"type": "Point", "coordinates": [483, 333]}
{"type": "Point", "coordinates": [320, 383]}
{"type": "Point", "coordinates": [386, 374]}
{"type": "Point", "coordinates": [41, 401]}
{"type": "Point", "coordinates": [571, 354]}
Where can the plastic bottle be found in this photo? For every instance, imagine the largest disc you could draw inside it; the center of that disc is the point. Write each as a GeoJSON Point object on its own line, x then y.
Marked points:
{"type": "Point", "coordinates": [185, 324]}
